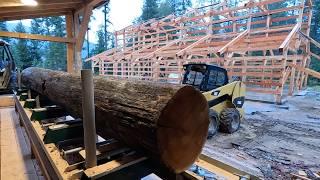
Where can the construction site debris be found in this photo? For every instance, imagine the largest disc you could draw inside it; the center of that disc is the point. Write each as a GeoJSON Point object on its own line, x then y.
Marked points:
{"type": "Point", "coordinates": [284, 140]}
{"type": "Point", "coordinates": [313, 117]}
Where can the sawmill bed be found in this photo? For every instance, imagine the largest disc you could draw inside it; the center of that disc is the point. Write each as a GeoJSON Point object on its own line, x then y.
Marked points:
{"type": "Point", "coordinates": [15, 147]}
{"type": "Point", "coordinates": [61, 158]}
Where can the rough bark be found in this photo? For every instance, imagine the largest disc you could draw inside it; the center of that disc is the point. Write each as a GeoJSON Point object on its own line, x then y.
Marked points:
{"type": "Point", "coordinates": [169, 122]}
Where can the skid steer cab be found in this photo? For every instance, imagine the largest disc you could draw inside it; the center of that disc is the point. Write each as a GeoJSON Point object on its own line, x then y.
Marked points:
{"type": "Point", "coordinates": [7, 68]}
{"type": "Point", "coordinates": [225, 99]}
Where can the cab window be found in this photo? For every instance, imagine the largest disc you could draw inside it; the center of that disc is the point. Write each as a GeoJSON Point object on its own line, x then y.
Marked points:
{"type": "Point", "coordinates": [221, 78]}
{"type": "Point", "coordinates": [216, 79]}
{"type": "Point", "coordinates": [194, 78]}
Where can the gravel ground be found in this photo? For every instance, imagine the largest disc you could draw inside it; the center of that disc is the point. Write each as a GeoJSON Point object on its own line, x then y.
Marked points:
{"type": "Point", "coordinates": [274, 140]}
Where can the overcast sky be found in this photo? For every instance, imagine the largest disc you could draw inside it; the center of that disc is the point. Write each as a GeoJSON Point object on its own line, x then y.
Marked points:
{"type": "Point", "coordinates": [122, 13]}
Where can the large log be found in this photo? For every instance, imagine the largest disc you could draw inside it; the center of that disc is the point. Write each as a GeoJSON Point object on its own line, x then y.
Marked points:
{"type": "Point", "coordinates": [170, 122]}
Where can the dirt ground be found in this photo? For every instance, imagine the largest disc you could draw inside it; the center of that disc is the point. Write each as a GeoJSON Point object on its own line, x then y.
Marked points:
{"type": "Point", "coordinates": [274, 140]}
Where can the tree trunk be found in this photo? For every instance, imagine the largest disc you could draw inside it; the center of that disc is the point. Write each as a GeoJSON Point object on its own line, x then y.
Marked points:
{"type": "Point", "coordinates": [169, 122]}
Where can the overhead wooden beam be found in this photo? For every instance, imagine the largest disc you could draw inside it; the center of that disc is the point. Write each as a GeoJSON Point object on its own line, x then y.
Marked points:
{"type": "Point", "coordinates": [36, 37]}
{"type": "Point", "coordinates": [183, 51]}
{"type": "Point", "coordinates": [288, 39]}
{"type": "Point", "coordinates": [97, 3]}
{"type": "Point", "coordinates": [32, 15]}
{"type": "Point", "coordinates": [90, 3]}
{"type": "Point", "coordinates": [232, 42]}
{"type": "Point", "coordinates": [83, 27]}
{"type": "Point", "coordinates": [18, 3]}
{"type": "Point", "coordinates": [46, 7]}
{"type": "Point", "coordinates": [34, 12]}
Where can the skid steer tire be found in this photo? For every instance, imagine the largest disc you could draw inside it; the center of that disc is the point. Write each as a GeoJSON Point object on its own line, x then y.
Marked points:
{"type": "Point", "coordinates": [214, 123]}
{"type": "Point", "coordinates": [229, 120]}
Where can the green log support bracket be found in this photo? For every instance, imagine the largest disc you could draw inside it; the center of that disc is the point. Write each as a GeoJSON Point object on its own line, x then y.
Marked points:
{"type": "Point", "coordinates": [30, 103]}
{"type": "Point", "coordinates": [23, 96]}
{"type": "Point", "coordinates": [20, 91]}
{"type": "Point", "coordinates": [62, 132]}
{"type": "Point", "coordinates": [49, 112]}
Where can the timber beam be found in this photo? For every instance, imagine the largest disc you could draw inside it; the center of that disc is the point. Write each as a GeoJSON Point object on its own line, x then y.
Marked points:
{"type": "Point", "coordinates": [162, 48]}
{"type": "Point", "coordinates": [307, 71]}
{"type": "Point", "coordinates": [289, 38]}
{"type": "Point", "coordinates": [36, 37]}
{"type": "Point", "coordinates": [232, 42]}
{"type": "Point", "coordinates": [183, 51]}
{"type": "Point", "coordinates": [309, 39]}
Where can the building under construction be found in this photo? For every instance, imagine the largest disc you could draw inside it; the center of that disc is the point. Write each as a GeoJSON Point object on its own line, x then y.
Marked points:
{"type": "Point", "coordinates": [266, 44]}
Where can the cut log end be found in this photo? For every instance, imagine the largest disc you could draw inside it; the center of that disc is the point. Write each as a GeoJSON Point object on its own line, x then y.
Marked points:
{"type": "Point", "coordinates": [183, 128]}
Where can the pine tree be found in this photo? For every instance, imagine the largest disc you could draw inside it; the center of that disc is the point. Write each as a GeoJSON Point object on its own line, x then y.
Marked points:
{"type": "Point", "coordinates": [179, 6]}
{"type": "Point", "coordinates": [182, 5]}
{"type": "Point", "coordinates": [101, 44]}
{"type": "Point", "coordinates": [108, 36]}
{"type": "Point", "coordinates": [315, 34]}
{"type": "Point", "coordinates": [21, 51]}
{"type": "Point", "coordinates": [36, 46]}
{"type": "Point", "coordinates": [149, 10]}
{"type": "Point", "coordinates": [3, 27]}
{"type": "Point", "coordinates": [55, 57]}
{"type": "Point", "coordinates": [166, 8]}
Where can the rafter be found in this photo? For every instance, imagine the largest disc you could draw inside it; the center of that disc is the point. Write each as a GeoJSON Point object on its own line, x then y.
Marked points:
{"type": "Point", "coordinates": [162, 48]}
{"type": "Point", "coordinates": [201, 40]}
{"type": "Point", "coordinates": [232, 42]}
{"type": "Point", "coordinates": [289, 38]}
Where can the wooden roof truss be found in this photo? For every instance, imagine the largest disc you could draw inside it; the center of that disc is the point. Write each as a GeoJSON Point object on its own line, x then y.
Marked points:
{"type": "Point", "coordinates": [265, 45]}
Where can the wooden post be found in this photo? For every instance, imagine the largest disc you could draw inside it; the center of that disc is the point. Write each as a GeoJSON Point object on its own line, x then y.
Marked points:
{"type": "Point", "coordinates": [81, 28]}
{"type": "Point", "coordinates": [268, 24]}
{"type": "Point", "coordinates": [307, 76]}
{"type": "Point", "coordinates": [244, 70]}
{"type": "Point", "coordinates": [124, 40]}
{"type": "Point", "coordinates": [70, 46]}
{"type": "Point", "coordinates": [283, 79]}
{"type": "Point", "coordinates": [293, 76]}
{"type": "Point", "coordinates": [89, 126]}
{"type": "Point", "coordinates": [77, 54]}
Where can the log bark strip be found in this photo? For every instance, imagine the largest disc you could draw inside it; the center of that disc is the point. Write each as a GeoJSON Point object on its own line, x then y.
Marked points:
{"type": "Point", "coordinates": [169, 122]}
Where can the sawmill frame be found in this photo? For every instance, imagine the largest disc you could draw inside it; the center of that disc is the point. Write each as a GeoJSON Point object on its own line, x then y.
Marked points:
{"type": "Point", "coordinates": [77, 14]}
{"type": "Point", "coordinates": [248, 40]}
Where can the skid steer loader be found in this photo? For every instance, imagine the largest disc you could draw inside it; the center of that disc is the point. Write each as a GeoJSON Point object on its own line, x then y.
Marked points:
{"type": "Point", "coordinates": [7, 68]}
{"type": "Point", "coordinates": [225, 99]}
